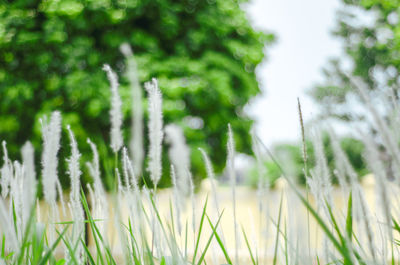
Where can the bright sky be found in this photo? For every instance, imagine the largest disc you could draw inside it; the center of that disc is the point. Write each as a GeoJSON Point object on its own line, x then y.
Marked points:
{"type": "Point", "coordinates": [294, 63]}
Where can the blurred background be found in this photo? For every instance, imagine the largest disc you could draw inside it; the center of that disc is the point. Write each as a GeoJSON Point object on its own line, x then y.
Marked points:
{"type": "Point", "coordinates": [217, 62]}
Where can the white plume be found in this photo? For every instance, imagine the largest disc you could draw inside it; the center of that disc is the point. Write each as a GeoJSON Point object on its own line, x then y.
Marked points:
{"type": "Point", "coordinates": [115, 112]}
{"type": "Point", "coordinates": [155, 130]}
{"type": "Point", "coordinates": [100, 205]}
{"type": "Point", "coordinates": [136, 143]}
{"type": "Point", "coordinates": [51, 144]}
{"type": "Point", "coordinates": [6, 172]}
{"type": "Point", "coordinates": [28, 160]}
{"type": "Point", "coordinates": [320, 181]}
{"type": "Point", "coordinates": [75, 202]}
{"type": "Point", "coordinates": [179, 155]}
{"type": "Point", "coordinates": [211, 177]}
{"type": "Point", "coordinates": [128, 170]}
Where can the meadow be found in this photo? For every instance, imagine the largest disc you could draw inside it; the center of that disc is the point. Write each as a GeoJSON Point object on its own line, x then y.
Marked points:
{"type": "Point", "coordinates": [321, 223]}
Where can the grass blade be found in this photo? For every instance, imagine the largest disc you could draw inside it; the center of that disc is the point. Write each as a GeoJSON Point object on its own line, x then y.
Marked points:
{"type": "Point", "coordinates": [248, 247]}
{"type": "Point", "coordinates": [47, 256]}
{"type": "Point", "coordinates": [209, 240]}
{"type": "Point", "coordinates": [220, 243]}
{"type": "Point", "coordinates": [277, 231]}
{"type": "Point", "coordinates": [199, 232]}
{"type": "Point", "coordinates": [349, 218]}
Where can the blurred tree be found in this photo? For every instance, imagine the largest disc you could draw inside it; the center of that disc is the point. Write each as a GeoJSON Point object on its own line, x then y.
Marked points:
{"type": "Point", "coordinates": [370, 31]}
{"type": "Point", "coordinates": [204, 54]}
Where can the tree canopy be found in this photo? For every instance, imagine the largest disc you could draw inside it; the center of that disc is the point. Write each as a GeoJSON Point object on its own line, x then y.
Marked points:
{"type": "Point", "coordinates": [369, 30]}
{"type": "Point", "coordinates": [204, 54]}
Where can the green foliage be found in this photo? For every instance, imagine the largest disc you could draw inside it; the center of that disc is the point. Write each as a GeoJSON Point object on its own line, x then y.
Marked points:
{"type": "Point", "coordinates": [369, 30]}
{"type": "Point", "coordinates": [204, 54]}
{"type": "Point", "coordinates": [272, 173]}
{"type": "Point", "coordinates": [291, 155]}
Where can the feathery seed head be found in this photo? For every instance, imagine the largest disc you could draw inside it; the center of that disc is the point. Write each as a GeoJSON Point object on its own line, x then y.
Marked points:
{"type": "Point", "coordinates": [51, 133]}
{"type": "Point", "coordinates": [231, 155]}
{"type": "Point", "coordinates": [126, 50]}
{"type": "Point", "coordinates": [128, 170]}
{"type": "Point", "coordinates": [115, 112]}
{"type": "Point", "coordinates": [136, 142]}
{"type": "Point", "coordinates": [155, 130]}
{"type": "Point", "coordinates": [94, 168]}
{"type": "Point", "coordinates": [73, 166]}
{"type": "Point", "coordinates": [75, 203]}
{"type": "Point", "coordinates": [30, 182]}
{"type": "Point", "coordinates": [179, 155]}
{"type": "Point", "coordinates": [6, 172]}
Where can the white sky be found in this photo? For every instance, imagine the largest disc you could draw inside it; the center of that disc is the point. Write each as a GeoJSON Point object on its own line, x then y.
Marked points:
{"type": "Point", "coordinates": [293, 64]}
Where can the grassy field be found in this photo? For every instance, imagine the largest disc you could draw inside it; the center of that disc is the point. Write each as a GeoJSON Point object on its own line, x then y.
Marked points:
{"type": "Point", "coordinates": [258, 225]}
{"type": "Point", "coordinates": [317, 224]}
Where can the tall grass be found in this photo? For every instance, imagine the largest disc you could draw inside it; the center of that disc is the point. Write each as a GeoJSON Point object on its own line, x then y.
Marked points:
{"type": "Point", "coordinates": [136, 141]}
{"type": "Point", "coordinates": [132, 226]}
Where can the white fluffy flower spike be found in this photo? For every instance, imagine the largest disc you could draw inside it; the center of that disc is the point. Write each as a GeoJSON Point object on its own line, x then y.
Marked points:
{"type": "Point", "coordinates": [115, 112]}
{"type": "Point", "coordinates": [155, 130]}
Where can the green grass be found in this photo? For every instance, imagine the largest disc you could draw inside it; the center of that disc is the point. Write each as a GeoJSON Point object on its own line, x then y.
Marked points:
{"type": "Point", "coordinates": [145, 235]}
